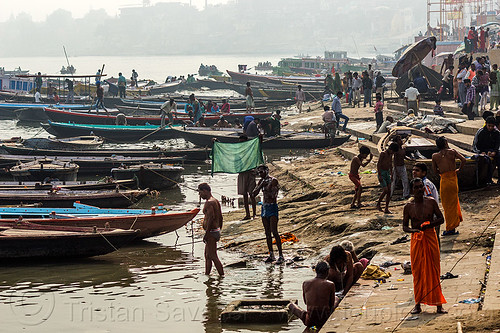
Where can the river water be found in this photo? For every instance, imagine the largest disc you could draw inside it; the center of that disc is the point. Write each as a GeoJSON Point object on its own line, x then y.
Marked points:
{"type": "Point", "coordinates": [154, 285]}
{"type": "Point", "coordinates": [152, 67]}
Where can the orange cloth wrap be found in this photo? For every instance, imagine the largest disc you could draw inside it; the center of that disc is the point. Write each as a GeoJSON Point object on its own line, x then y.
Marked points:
{"type": "Point", "coordinates": [426, 267]}
{"type": "Point", "coordinates": [449, 198]}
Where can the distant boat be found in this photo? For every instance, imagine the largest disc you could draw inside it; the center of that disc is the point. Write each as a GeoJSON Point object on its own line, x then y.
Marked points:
{"type": "Point", "coordinates": [207, 70]}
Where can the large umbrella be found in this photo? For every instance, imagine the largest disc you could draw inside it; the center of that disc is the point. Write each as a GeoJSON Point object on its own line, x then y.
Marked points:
{"type": "Point", "coordinates": [414, 56]}
{"type": "Point", "coordinates": [433, 78]}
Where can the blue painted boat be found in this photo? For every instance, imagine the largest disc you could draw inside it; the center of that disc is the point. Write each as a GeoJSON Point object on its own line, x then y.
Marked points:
{"type": "Point", "coordinates": [114, 133]}
{"type": "Point", "coordinates": [79, 210]}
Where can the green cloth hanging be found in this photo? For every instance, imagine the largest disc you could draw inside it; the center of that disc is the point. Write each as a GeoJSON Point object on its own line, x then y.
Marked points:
{"type": "Point", "coordinates": [236, 157]}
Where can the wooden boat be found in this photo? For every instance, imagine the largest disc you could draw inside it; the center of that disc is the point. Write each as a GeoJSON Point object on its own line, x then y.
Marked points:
{"type": "Point", "coordinates": [87, 118]}
{"type": "Point", "coordinates": [78, 143]}
{"type": "Point", "coordinates": [106, 184]}
{"type": "Point", "coordinates": [148, 223]}
{"type": "Point", "coordinates": [90, 164]}
{"type": "Point", "coordinates": [65, 198]}
{"type": "Point", "coordinates": [25, 240]}
{"type": "Point", "coordinates": [9, 110]}
{"type": "Point", "coordinates": [151, 175]}
{"type": "Point", "coordinates": [288, 140]}
{"type": "Point", "coordinates": [193, 154]}
{"type": "Point", "coordinates": [98, 118]}
{"type": "Point", "coordinates": [419, 149]}
{"type": "Point", "coordinates": [244, 78]}
{"type": "Point", "coordinates": [281, 92]}
{"type": "Point", "coordinates": [114, 133]}
{"type": "Point", "coordinates": [44, 168]}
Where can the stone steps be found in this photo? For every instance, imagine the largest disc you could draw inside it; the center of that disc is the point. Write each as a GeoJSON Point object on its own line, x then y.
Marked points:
{"type": "Point", "coordinates": [427, 110]}
{"type": "Point", "coordinates": [350, 152]}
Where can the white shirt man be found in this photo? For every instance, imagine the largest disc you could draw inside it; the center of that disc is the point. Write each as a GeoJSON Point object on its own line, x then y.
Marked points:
{"type": "Point", "coordinates": [38, 97]}
{"type": "Point", "coordinates": [412, 94]}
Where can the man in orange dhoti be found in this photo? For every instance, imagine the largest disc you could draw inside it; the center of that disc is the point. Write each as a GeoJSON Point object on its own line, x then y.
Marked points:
{"type": "Point", "coordinates": [444, 164]}
{"type": "Point", "coordinates": [424, 214]}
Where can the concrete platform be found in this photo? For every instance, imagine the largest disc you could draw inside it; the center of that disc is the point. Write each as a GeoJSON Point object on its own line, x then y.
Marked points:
{"type": "Point", "coordinates": [492, 295]}
{"type": "Point", "coordinates": [367, 308]}
{"type": "Point", "coordinates": [427, 110]}
{"type": "Point", "coordinates": [470, 127]}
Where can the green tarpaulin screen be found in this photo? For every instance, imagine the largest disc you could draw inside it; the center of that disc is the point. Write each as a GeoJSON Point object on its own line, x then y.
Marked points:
{"type": "Point", "coordinates": [236, 157]}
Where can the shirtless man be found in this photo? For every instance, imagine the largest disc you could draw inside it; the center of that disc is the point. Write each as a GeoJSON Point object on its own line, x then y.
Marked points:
{"type": "Point", "coordinates": [270, 187]}
{"type": "Point", "coordinates": [384, 171]}
{"type": "Point", "coordinates": [400, 169]}
{"type": "Point", "coordinates": [356, 163]}
{"type": "Point", "coordinates": [212, 224]}
{"type": "Point", "coordinates": [444, 164]}
{"type": "Point", "coordinates": [343, 271]}
{"type": "Point", "coordinates": [319, 296]}
{"type": "Point", "coordinates": [424, 214]}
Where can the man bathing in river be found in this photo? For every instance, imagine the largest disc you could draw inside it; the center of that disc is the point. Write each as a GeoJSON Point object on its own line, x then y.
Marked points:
{"type": "Point", "coordinates": [212, 224]}
{"type": "Point", "coordinates": [384, 171]}
{"type": "Point", "coordinates": [444, 164]}
{"type": "Point", "coordinates": [424, 214]}
{"type": "Point", "coordinates": [270, 188]}
{"type": "Point", "coordinates": [319, 296]}
{"type": "Point", "coordinates": [343, 271]}
{"type": "Point", "coordinates": [356, 163]}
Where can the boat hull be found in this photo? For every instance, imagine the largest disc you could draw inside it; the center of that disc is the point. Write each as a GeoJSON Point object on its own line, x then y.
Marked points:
{"type": "Point", "coordinates": [61, 245]}
{"type": "Point", "coordinates": [299, 141]}
{"type": "Point", "coordinates": [149, 225]}
{"type": "Point", "coordinates": [65, 199]}
{"type": "Point", "coordinates": [195, 154]}
{"type": "Point", "coordinates": [112, 133]}
{"type": "Point", "coordinates": [157, 178]}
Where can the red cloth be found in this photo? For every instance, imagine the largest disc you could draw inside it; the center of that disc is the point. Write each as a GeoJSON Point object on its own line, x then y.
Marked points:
{"type": "Point", "coordinates": [426, 268]}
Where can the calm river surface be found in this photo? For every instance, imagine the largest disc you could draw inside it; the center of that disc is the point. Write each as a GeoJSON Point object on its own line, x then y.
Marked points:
{"type": "Point", "coordinates": [152, 286]}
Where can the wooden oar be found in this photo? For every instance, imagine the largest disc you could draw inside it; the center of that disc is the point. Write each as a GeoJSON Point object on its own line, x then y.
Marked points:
{"type": "Point", "coordinates": [156, 130]}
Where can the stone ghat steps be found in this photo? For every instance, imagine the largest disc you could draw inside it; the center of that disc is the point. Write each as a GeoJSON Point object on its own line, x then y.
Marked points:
{"type": "Point", "coordinates": [462, 141]}
{"type": "Point", "coordinates": [351, 151]}
{"type": "Point", "coordinates": [427, 109]}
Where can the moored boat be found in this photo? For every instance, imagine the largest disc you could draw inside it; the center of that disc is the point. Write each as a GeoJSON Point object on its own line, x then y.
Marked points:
{"type": "Point", "coordinates": [151, 175]}
{"type": "Point", "coordinates": [149, 223]}
{"type": "Point", "coordinates": [106, 184]}
{"type": "Point", "coordinates": [79, 142]}
{"type": "Point", "coordinates": [114, 133]}
{"type": "Point", "coordinates": [192, 154]}
{"type": "Point", "coordinates": [287, 140]}
{"type": "Point", "coordinates": [65, 198]}
{"type": "Point", "coordinates": [44, 168]}
{"type": "Point", "coordinates": [90, 164]}
{"type": "Point", "coordinates": [24, 241]}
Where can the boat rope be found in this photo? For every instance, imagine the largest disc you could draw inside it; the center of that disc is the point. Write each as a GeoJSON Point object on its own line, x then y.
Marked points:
{"type": "Point", "coordinates": [453, 267]}
{"type": "Point", "coordinates": [116, 249]}
{"type": "Point", "coordinates": [136, 217]}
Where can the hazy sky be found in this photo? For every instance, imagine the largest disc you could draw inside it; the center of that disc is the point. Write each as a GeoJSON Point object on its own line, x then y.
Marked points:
{"type": "Point", "coordinates": [39, 9]}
